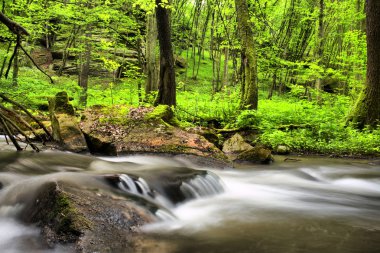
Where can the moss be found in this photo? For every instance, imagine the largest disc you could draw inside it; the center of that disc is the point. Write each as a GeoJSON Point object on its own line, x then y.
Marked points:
{"type": "Point", "coordinates": [357, 115]}
{"type": "Point", "coordinates": [66, 219]}
{"type": "Point", "coordinates": [165, 113]}
{"type": "Point", "coordinates": [60, 104]}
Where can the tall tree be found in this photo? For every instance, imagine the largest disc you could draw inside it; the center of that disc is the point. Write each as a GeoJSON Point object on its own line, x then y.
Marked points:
{"type": "Point", "coordinates": [167, 86]}
{"type": "Point", "coordinates": [319, 51]}
{"type": "Point", "coordinates": [367, 108]}
{"type": "Point", "coordinates": [150, 54]}
{"type": "Point", "coordinates": [249, 88]}
{"type": "Point", "coordinates": [84, 66]}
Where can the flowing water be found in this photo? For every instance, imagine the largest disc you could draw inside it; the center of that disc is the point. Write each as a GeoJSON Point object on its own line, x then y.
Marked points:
{"type": "Point", "coordinates": [314, 205]}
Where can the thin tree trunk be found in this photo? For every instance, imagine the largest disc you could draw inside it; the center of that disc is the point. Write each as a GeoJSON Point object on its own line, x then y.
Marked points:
{"type": "Point", "coordinates": [203, 36]}
{"type": "Point", "coordinates": [5, 60]}
{"type": "Point", "coordinates": [225, 69]}
{"type": "Point", "coordinates": [248, 57]}
{"type": "Point", "coordinates": [167, 85]}
{"type": "Point", "coordinates": [84, 71]}
{"type": "Point", "coordinates": [65, 55]}
{"type": "Point", "coordinates": [320, 39]}
{"type": "Point", "coordinates": [150, 54]}
{"type": "Point", "coordinates": [15, 63]}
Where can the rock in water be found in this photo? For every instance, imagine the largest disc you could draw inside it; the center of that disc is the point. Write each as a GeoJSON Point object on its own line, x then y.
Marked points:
{"type": "Point", "coordinates": [64, 124]}
{"type": "Point", "coordinates": [238, 150]}
{"type": "Point", "coordinates": [282, 150]}
{"type": "Point", "coordinates": [89, 221]}
{"type": "Point", "coordinates": [235, 145]}
{"type": "Point", "coordinates": [256, 155]}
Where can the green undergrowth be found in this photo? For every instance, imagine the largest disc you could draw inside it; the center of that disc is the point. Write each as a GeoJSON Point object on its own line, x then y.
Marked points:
{"type": "Point", "coordinates": [34, 89]}
{"type": "Point", "coordinates": [302, 125]}
{"type": "Point", "coordinates": [308, 127]}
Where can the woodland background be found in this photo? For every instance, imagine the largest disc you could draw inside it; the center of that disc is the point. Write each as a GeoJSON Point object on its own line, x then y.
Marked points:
{"type": "Point", "coordinates": [290, 69]}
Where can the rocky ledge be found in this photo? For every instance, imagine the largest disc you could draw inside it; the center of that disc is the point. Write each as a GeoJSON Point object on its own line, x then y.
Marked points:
{"type": "Point", "coordinates": [122, 130]}
{"type": "Point", "coordinates": [84, 220]}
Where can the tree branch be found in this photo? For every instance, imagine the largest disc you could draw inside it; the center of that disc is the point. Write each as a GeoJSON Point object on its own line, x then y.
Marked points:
{"type": "Point", "coordinates": [13, 26]}
{"type": "Point", "coordinates": [35, 64]}
{"type": "Point", "coordinates": [10, 134]}
{"type": "Point", "coordinates": [5, 98]}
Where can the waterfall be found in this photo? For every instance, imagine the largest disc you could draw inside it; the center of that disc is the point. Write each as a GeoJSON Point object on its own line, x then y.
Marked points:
{"type": "Point", "coordinates": [201, 184]}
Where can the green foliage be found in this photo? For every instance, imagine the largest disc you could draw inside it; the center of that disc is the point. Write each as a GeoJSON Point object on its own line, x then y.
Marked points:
{"type": "Point", "coordinates": [307, 127]}
{"type": "Point", "coordinates": [247, 119]}
{"type": "Point", "coordinates": [335, 140]}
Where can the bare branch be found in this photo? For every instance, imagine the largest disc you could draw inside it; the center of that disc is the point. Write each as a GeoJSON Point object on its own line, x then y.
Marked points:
{"type": "Point", "coordinates": [13, 26]}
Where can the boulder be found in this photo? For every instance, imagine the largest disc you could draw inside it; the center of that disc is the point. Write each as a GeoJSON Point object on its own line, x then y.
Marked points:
{"type": "Point", "coordinates": [64, 124]}
{"type": "Point", "coordinates": [180, 62]}
{"type": "Point", "coordinates": [235, 145]}
{"type": "Point", "coordinates": [210, 134]}
{"type": "Point", "coordinates": [282, 150]}
{"type": "Point", "coordinates": [88, 221]}
{"type": "Point", "coordinates": [145, 130]}
{"type": "Point", "coordinates": [255, 155]}
{"type": "Point", "coordinates": [100, 145]}
{"type": "Point", "coordinates": [60, 104]}
{"type": "Point", "coordinates": [238, 150]}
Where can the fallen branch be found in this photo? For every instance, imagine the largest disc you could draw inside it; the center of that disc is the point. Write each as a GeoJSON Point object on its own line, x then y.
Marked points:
{"type": "Point", "coordinates": [6, 99]}
{"type": "Point", "coordinates": [21, 120]}
{"type": "Point", "coordinates": [9, 133]}
{"type": "Point", "coordinates": [5, 120]}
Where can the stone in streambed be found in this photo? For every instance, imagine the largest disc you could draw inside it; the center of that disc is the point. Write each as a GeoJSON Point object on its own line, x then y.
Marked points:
{"type": "Point", "coordinates": [64, 124]}
{"type": "Point", "coordinates": [238, 150]}
{"type": "Point", "coordinates": [256, 155]}
{"type": "Point", "coordinates": [88, 221]}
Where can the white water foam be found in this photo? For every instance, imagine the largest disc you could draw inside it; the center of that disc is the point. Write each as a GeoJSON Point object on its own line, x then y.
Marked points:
{"type": "Point", "coordinates": [269, 195]}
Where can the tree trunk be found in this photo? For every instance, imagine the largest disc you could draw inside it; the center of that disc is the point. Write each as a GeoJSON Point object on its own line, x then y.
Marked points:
{"type": "Point", "coordinates": [5, 60]}
{"type": "Point", "coordinates": [367, 108]}
{"type": "Point", "coordinates": [150, 54]}
{"type": "Point", "coordinates": [319, 53]}
{"type": "Point", "coordinates": [15, 65]}
{"type": "Point", "coordinates": [65, 55]}
{"type": "Point", "coordinates": [225, 69]}
{"type": "Point", "coordinates": [167, 86]}
{"type": "Point", "coordinates": [84, 70]}
{"type": "Point", "coordinates": [248, 57]}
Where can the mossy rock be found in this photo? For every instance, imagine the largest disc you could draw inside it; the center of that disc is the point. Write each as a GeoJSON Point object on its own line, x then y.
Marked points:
{"type": "Point", "coordinates": [282, 150]}
{"type": "Point", "coordinates": [163, 113]}
{"type": "Point", "coordinates": [60, 104]}
{"type": "Point", "coordinates": [86, 220]}
{"type": "Point", "coordinates": [66, 131]}
{"type": "Point", "coordinates": [236, 144]}
{"type": "Point", "coordinates": [54, 209]}
{"type": "Point", "coordinates": [98, 144]}
{"type": "Point", "coordinates": [256, 155]}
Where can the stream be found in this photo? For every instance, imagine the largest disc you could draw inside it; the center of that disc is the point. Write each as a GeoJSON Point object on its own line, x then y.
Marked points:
{"type": "Point", "coordinates": [311, 205]}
